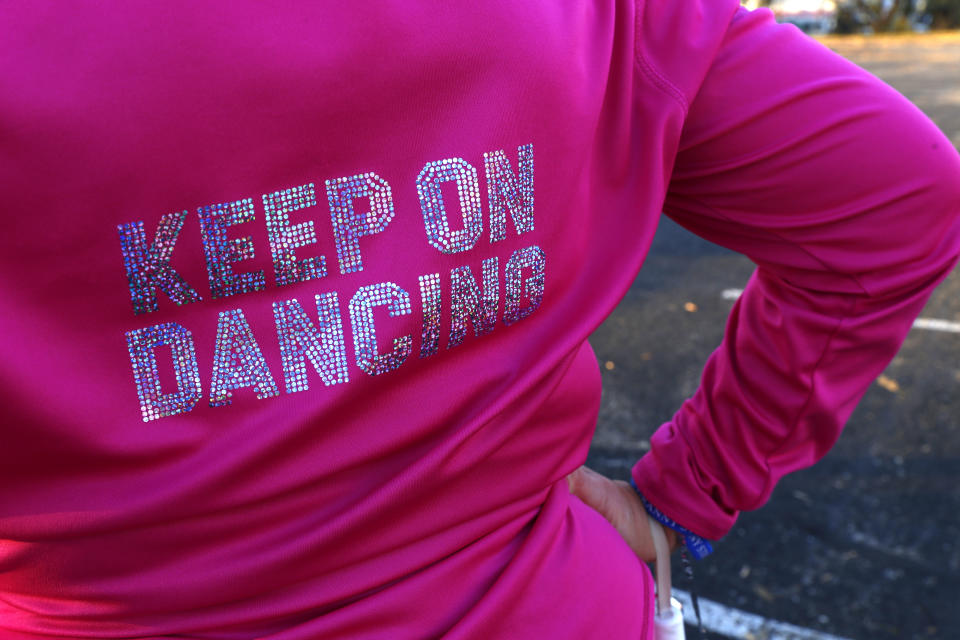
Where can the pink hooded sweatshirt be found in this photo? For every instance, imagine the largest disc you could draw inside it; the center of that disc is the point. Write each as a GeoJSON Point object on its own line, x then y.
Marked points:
{"type": "Point", "coordinates": [295, 301]}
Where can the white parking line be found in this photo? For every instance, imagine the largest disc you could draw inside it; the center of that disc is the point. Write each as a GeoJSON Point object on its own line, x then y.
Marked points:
{"type": "Point", "coordinates": [732, 294]}
{"type": "Point", "coordinates": [933, 324]}
{"type": "Point", "coordinates": [734, 623]}
{"type": "Point", "coordinates": [929, 324]}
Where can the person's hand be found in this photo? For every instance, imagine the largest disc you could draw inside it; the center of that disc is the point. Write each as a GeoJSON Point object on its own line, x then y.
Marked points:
{"type": "Point", "coordinates": [621, 506]}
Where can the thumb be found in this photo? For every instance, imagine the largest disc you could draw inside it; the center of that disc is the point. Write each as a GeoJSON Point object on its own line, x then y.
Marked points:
{"type": "Point", "coordinates": [595, 490]}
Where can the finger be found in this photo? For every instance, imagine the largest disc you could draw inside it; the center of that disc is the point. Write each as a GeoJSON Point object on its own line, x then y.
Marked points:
{"type": "Point", "coordinates": [592, 488]}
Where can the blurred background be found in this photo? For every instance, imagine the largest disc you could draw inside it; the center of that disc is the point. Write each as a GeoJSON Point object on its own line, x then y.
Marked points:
{"type": "Point", "coordinates": [865, 16]}
{"type": "Point", "coordinates": [863, 545]}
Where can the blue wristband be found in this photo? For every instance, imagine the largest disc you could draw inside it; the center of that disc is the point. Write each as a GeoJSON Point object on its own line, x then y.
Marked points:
{"type": "Point", "coordinates": [699, 547]}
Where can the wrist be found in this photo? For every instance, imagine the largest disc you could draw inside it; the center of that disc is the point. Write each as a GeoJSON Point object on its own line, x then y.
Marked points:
{"type": "Point", "coordinates": [698, 546]}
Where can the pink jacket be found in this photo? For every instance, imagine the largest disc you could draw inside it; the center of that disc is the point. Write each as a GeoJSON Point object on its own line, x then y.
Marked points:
{"type": "Point", "coordinates": [295, 301]}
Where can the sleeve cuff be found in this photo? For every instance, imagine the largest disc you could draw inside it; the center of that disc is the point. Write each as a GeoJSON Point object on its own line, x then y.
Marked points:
{"type": "Point", "coordinates": [698, 547]}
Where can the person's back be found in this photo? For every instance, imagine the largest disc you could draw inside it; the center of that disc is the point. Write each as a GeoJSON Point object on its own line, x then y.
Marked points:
{"type": "Point", "coordinates": [295, 310]}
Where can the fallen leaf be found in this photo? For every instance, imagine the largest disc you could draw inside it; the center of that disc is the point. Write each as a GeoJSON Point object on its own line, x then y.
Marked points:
{"type": "Point", "coordinates": [888, 383]}
{"type": "Point", "coordinates": [763, 593]}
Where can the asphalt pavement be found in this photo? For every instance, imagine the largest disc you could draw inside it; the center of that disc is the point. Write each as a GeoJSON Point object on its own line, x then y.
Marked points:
{"type": "Point", "coordinates": [864, 544]}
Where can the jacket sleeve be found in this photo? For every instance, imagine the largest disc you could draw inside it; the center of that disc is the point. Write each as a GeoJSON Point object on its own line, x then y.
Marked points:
{"type": "Point", "coordinates": [847, 198]}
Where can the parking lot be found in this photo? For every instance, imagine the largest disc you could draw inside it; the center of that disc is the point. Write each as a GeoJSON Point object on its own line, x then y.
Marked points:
{"type": "Point", "coordinates": [864, 545]}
